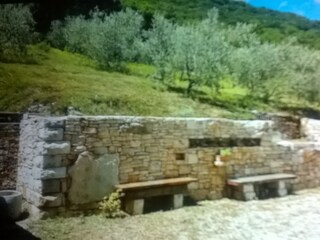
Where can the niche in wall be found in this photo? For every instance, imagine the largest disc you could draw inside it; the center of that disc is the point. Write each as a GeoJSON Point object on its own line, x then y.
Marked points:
{"type": "Point", "coordinates": [180, 156]}
{"type": "Point", "coordinates": [224, 142]}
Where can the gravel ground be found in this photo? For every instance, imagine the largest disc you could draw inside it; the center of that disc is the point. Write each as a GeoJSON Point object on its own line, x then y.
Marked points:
{"type": "Point", "coordinates": [294, 217]}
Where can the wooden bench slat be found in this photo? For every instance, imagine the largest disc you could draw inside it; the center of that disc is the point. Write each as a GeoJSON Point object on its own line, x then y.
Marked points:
{"type": "Point", "coordinates": [260, 178]}
{"type": "Point", "coordinates": [156, 183]}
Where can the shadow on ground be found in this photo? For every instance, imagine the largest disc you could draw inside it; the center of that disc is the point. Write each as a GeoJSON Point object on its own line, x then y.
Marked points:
{"type": "Point", "coordinates": [9, 230]}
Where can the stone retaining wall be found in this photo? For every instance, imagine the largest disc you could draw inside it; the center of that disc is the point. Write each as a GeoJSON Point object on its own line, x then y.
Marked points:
{"type": "Point", "coordinates": [9, 145]}
{"type": "Point", "coordinates": [70, 163]}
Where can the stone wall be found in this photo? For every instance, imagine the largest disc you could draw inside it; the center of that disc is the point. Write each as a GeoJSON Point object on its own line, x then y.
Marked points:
{"type": "Point", "coordinates": [9, 145]}
{"type": "Point", "coordinates": [70, 163]}
{"type": "Point", "coordinates": [310, 129]}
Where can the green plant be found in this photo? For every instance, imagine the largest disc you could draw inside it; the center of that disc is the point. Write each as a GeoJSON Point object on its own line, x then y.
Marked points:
{"type": "Point", "coordinates": [111, 205]}
{"type": "Point", "coordinates": [224, 152]}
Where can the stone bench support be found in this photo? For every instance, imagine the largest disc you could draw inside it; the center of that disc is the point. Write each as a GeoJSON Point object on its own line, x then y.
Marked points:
{"type": "Point", "coordinates": [244, 188]}
{"type": "Point", "coordinates": [135, 193]}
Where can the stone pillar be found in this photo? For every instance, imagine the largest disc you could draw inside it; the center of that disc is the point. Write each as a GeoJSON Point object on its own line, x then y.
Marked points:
{"type": "Point", "coordinates": [282, 190]}
{"type": "Point", "coordinates": [177, 201]}
{"type": "Point", "coordinates": [248, 192]}
{"type": "Point", "coordinates": [42, 169]}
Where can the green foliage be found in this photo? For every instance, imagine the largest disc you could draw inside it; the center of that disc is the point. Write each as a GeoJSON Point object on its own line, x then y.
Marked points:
{"type": "Point", "coordinates": [272, 25]}
{"type": "Point", "coordinates": [303, 64]}
{"type": "Point", "coordinates": [16, 31]}
{"type": "Point", "coordinates": [56, 37]}
{"type": "Point", "coordinates": [159, 45]}
{"type": "Point", "coordinates": [200, 54]}
{"type": "Point", "coordinates": [224, 152]}
{"type": "Point", "coordinates": [114, 38]}
{"type": "Point", "coordinates": [110, 206]}
{"type": "Point", "coordinates": [197, 53]}
{"type": "Point", "coordinates": [261, 68]}
{"type": "Point", "coordinates": [109, 39]}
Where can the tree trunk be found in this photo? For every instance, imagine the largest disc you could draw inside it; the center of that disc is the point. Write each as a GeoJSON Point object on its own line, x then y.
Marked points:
{"type": "Point", "coordinates": [190, 86]}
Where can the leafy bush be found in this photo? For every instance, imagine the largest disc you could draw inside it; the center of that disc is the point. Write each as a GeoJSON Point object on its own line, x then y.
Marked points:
{"type": "Point", "coordinates": [16, 31]}
{"type": "Point", "coordinates": [111, 205]}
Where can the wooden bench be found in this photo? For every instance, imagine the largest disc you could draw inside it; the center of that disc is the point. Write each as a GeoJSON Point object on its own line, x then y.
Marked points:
{"type": "Point", "coordinates": [244, 188]}
{"type": "Point", "coordinates": [136, 192]}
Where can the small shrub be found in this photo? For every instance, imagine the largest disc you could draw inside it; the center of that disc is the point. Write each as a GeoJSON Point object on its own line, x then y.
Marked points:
{"type": "Point", "coordinates": [110, 206]}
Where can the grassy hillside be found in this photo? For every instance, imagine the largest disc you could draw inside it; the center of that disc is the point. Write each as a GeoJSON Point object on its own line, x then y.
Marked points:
{"type": "Point", "coordinates": [271, 25]}
{"type": "Point", "coordinates": [62, 79]}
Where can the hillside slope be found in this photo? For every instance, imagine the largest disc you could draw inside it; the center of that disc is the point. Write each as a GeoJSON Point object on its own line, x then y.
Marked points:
{"type": "Point", "coordinates": [62, 79]}
{"type": "Point", "coordinates": [271, 25]}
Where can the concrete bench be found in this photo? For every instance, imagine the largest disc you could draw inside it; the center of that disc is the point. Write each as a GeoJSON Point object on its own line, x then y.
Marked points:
{"type": "Point", "coordinates": [136, 192]}
{"type": "Point", "coordinates": [244, 188]}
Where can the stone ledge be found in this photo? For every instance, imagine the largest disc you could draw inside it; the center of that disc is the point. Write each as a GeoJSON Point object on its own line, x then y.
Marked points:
{"type": "Point", "coordinates": [46, 162]}
{"type": "Point", "coordinates": [47, 134]}
{"type": "Point", "coordinates": [51, 173]}
{"type": "Point", "coordinates": [47, 186]}
{"type": "Point", "coordinates": [57, 148]}
{"type": "Point", "coordinates": [55, 200]}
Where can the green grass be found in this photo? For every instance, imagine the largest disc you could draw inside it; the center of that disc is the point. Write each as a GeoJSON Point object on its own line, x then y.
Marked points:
{"type": "Point", "coordinates": [61, 79]}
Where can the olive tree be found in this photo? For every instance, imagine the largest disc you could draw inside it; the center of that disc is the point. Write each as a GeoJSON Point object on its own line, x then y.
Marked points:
{"type": "Point", "coordinates": [109, 39]}
{"type": "Point", "coordinates": [114, 37]}
{"type": "Point", "coordinates": [200, 53]}
{"type": "Point", "coordinates": [159, 44]}
{"type": "Point", "coordinates": [16, 29]}
{"type": "Point", "coordinates": [304, 72]}
{"type": "Point", "coordinates": [260, 68]}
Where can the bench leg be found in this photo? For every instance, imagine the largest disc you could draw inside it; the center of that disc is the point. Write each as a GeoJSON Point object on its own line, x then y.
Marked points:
{"type": "Point", "coordinates": [248, 192]}
{"type": "Point", "coordinates": [282, 190]}
{"type": "Point", "coordinates": [177, 201]}
{"type": "Point", "coordinates": [134, 207]}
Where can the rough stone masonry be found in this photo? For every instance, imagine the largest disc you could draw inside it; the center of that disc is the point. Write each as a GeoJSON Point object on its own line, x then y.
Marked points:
{"type": "Point", "coordinates": [69, 163]}
{"type": "Point", "coordinates": [9, 145]}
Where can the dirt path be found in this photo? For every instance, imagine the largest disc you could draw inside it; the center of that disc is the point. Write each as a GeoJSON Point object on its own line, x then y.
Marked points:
{"type": "Point", "coordinates": [294, 217]}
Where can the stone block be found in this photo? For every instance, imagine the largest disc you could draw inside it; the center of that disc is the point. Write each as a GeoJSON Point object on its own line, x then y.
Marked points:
{"type": "Point", "coordinates": [135, 207]}
{"type": "Point", "coordinates": [135, 143]}
{"type": "Point", "coordinates": [55, 200]}
{"type": "Point", "coordinates": [276, 164]}
{"type": "Point", "coordinates": [53, 173]}
{"type": "Point", "coordinates": [184, 170]}
{"type": "Point", "coordinates": [57, 148]}
{"type": "Point", "coordinates": [92, 177]}
{"type": "Point", "coordinates": [247, 188]}
{"type": "Point", "coordinates": [44, 162]}
{"type": "Point", "coordinates": [193, 185]}
{"type": "Point", "coordinates": [90, 131]}
{"type": "Point", "coordinates": [282, 192]}
{"type": "Point", "coordinates": [249, 196]}
{"type": "Point", "coordinates": [54, 123]}
{"type": "Point", "coordinates": [155, 166]}
{"type": "Point", "coordinates": [80, 149]}
{"type": "Point", "coordinates": [47, 186]}
{"type": "Point", "coordinates": [181, 143]}
{"type": "Point", "coordinates": [64, 186]}
{"type": "Point", "coordinates": [177, 201]}
{"type": "Point", "coordinates": [192, 158]}
{"type": "Point", "coordinates": [47, 134]}
{"type": "Point", "coordinates": [281, 185]}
